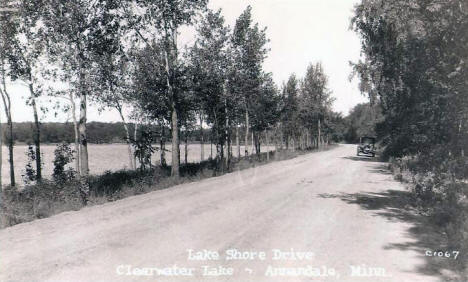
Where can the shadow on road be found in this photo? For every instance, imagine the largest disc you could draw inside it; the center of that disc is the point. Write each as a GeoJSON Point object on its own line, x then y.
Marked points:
{"type": "Point", "coordinates": [363, 159]}
{"type": "Point", "coordinates": [397, 205]}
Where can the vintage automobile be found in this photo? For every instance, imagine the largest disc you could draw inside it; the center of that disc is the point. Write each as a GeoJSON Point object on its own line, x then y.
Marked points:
{"type": "Point", "coordinates": [366, 146]}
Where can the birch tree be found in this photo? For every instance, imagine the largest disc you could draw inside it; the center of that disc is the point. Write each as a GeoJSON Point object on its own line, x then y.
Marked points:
{"type": "Point", "coordinates": [164, 18]}
{"type": "Point", "coordinates": [114, 81]}
{"type": "Point", "coordinates": [6, 33]}
{"type": "Point", "coordinates": [24, 56]}
{"type": "Point", "coordinates": [78, 32]}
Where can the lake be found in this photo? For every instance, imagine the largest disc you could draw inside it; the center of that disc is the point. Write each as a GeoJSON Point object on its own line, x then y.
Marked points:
{"type": "Point", "coordinates": [102, 157]}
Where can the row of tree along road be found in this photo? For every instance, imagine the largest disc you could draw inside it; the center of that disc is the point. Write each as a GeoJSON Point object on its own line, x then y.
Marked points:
{"type": "Point", "coordinates": [414, 67]}
{"type": "Point", "coordinates": [126, 55]}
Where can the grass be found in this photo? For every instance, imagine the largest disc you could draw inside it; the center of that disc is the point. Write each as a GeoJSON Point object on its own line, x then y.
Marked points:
{"type": "Point", "coordinates": [49, 198]}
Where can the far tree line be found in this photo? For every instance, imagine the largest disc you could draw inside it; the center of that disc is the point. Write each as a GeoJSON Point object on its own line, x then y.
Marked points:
{"type": "Point", "coordinates": [126, 55]}
{"type": "Point", "coordinates": [359, 122]}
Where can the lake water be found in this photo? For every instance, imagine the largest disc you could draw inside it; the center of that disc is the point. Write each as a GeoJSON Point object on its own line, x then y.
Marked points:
{"type": "Point", "coordinates": [102, 157]}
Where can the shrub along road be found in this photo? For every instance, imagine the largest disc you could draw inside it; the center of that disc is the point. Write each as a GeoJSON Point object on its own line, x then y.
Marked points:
{"type": "Point", "coordinates": [347, 211]}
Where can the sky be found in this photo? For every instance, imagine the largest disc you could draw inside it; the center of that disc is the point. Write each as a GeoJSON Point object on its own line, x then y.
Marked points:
{"type": "Point", "coordinates": [300, 32]}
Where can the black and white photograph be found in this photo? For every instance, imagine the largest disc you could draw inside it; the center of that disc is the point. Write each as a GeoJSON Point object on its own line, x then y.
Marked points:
{"type": "Point", "coordinates": [234, 140]}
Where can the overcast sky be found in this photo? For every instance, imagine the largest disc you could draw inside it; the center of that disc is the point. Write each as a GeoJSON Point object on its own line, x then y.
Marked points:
{"type": "Point", "coordinates": [301, 32]}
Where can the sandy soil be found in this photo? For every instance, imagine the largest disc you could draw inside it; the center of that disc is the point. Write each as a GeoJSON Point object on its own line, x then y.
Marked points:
{"type": "Point", "coordinates": [344, 209]}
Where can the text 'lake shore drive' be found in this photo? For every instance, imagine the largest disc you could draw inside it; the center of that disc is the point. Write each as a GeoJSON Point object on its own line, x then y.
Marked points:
{"type": "Point", "coordinates": [235, 254]}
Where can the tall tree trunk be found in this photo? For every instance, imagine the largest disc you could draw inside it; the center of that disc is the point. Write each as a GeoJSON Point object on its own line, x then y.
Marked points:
{"type": "Point", "coordinates": [178, 145]}
{"type": "Point", "coordinates": [219, 145]}
{"type": "Point", "coordinates": [84, 185]}
{"type": "Point", "coordinates": [83, 136]}
{"type": "Point", "coordinates": [84, 165]}
{"type": "Point", "coordinates": [267, 143]}
{"type": "Point", "coordinates": [228, 133]}
{"type": "Point", "coordinates": [311, 136]}
{"type": "Point", "coordinates": [281, 137]}
{"type": "Point", "coordinates": [301, 141]}
{"type": "Point", "coordinates": [174, 121]}
{"type": "Point", "coordinates": [77, 134]}
{"type": "Point", "coordinates": [7, 105]}
{"type": "Point", "coordinates": [10, 145]}
{"type": "Point", "coordinates": [246, 144]}
{"type": "Point", "coordinates": [186, 146]}
{"type": "Point", "coordinates": [175, 144]}
{"type": "Point", "coordinates": [10, 151]}
{"type": "Point", "coordinates": [202, 147]}
{"type": "Point", "coordinates": [230, 145]}
{"type": "Point", "coordinates": [127, 136]}
{"type": "Point", "coordinates": [162, 147]}
{"type": "Point", "coordinates": [229, 149]}
{"type": "Point", "coordinates": [256, 143]}
{"type": "Point", "coordinates": [319, 134]}
{"type": "Point", "coordinates": [253, 142]}
{"type": "Point", "coordinates": [275, 136]}
{"type": "Point", "coordinates": [37, 134]}
{"type": "Point", "coordinates": [238, 142]}
{"type": "Point", "coordinates": [135, 138]}
{"type": "Point", "coordinates": [220, 155]}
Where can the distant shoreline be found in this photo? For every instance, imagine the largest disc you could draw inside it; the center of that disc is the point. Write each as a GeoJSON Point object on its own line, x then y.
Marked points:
{"type": "Point", "coordinates": [116, 143]}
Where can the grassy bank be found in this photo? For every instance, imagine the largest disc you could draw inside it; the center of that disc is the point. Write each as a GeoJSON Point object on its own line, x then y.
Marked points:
{"type": "Point", "coordinates": [48, 198]}
{"type": "Point", "coordinates": [440, 193]}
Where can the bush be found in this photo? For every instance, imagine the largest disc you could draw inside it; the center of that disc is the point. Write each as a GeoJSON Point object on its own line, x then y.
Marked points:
{"type": "Point", "coordinates": [38, 201]}
{"type": "Point", "coordinates": [63, 156]}
{"type": "Point", "coordinates": [110, 183]}
{"type": "Point", "coordinates": [30, 175]}
{"type": "Point", "coordinates": [439, 186]}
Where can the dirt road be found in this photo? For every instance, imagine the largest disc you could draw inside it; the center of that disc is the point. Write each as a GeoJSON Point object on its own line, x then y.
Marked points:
{"type": "Point", "coordinates": [323, 216]}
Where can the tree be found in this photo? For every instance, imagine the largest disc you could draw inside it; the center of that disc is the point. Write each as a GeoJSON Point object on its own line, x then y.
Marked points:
{"type": "Point", "coordinates": [289, 111]}
{"type": "Point", "coordinates": [24, 58]}
{"type": "Point", "coordinates": [78, 31]}
{"type": "Point", "coordinates": [315, 99]}
{"type": "Point", "coordinates": [248, 42]}
{"type": "Point", "coordinates": [265, 109]}
{"type": "Point", "coordinates": [7, 32]}
{"type": "Point", "coordinates": [413, 64]}
{"type": "Point", "coordinates": [63, 93]}
{"type": "Point", "coordinates": [210, 64]}
{"type": "Point", "coordinates": [114, 81]}
{"type": "Point", "coordinates": [362, 121]}
{"type": "Point", "coordinates": [167, 17]}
